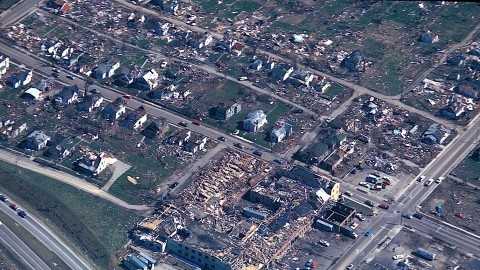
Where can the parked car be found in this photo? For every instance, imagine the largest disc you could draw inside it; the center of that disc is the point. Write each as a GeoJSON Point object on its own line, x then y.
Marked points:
{"type": "Point", "coordinates": [354, 226]}
{"type": "Point", "coordinates": [384, 206]}
{"type": "Point", "coordinates": [3, 198]}
{"type": "Point", "coordinates": [257, 153]}
{"type": "Point", "coordinates": [421, 178]}
{"type": "Point", "coordinates": [360, 217]}
{"type": "Point", "coordinates": [349, 267]}
{"type": "Point", "coordinates": [238, 145]}
{"type": "Point", "coordinates": [369, 203]}
{"type": "Point", "coordinates": [324, 243]}
{"type": "Point", "coordinates": [196, 123]}
{"type": "Point", "coordinates": [183, 124]}
{"type": "Point", "coordinates": [418, 215]}
{"type": "Point", "coordinates": [347, 193]}
{"type": "Point", "coordinates": [407, 216]}
{"type": "Point", "coordinates": [221, 138]}
{"type": "Point", "coordinates": [398, 256]}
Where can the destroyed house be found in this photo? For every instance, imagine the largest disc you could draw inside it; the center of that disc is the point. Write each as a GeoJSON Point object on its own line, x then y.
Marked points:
{"type": "Point", "coordinates": [435, 134]}
{"type": "Point", "coordinates": [225, 111]}
{"type": "Point", "coordinates": [60, 147]}
{"type": "Point", "coordinates": [180, 138]}
{"type": "Point", "coordinates": [106, 70]}
{"type": "Point", "coordinates": [35, 141]}
{"type": "Point", "coordinates": [308, 178]}
{"type": "Point", "coordinates": [91, 164]}
{"type": "Point", "coordinates": [281, 72]}
{"type": "Point", "coordinates": [114, 110]}
{"type": "Point", "coordinates": [281, 131]}
{"type": "Point", "coordinates": [195, 144]}
{"type": "Point", "coordinates": [354, 62]}
{"type": "Point", "coordinates": [469, 89]}
{"type": "Point", "coordinates": [125, 77]}
{"type": "Point", "coordinates": [148, 81]}
{"type": "Point", "coordinates": [19, 79]}
{"type": "Point", "coordinates": [60, 6]}
{"type": "Point", "coordinates": [153, 129]}
{"type": "Point", "coordinates": [135, 119]}
{"type": "Point", "coordinates": [90, 102]}
{"type": "Point", "coordinates": [4, 65]}
{"type": "Point", "coordinates": [68, 95]}
{"type": "Point", "coordinates": [10, 129]}
{"type": "Point", "coordinates": [254, 121]}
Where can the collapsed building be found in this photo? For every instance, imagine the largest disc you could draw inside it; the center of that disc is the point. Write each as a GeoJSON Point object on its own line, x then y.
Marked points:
{"type": "Point", "coordinates": [236, 215]}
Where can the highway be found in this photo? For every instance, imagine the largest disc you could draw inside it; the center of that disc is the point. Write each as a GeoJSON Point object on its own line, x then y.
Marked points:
{"type": "Point", "coordinates": [48, 238]}
{"type": "Point", "coordinates": [25, 255]}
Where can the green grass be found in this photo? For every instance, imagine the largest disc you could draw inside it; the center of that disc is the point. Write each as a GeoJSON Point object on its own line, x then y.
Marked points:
{"type": "Point", "coordinates": [151, 173]}
{"type": "Point", "coordinates": [469, 169]}
{"type": "Point", "coordinates": [95, 226]}
{"type": "Point", "coordinates": [6, 4]}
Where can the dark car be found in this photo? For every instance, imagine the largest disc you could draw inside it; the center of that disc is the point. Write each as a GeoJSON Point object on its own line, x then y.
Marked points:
{"type": "Point", "coordinates": [407, 216]}
{"type": "Point", "coordinates": [418, 215]}
{"type": "Point", "coordinates": [383, 206]}
{"type": "Point", "coordinates": [196, 123]}
{"type": "Point", "coordinates": [257, 153]}
{"type": "Point", "coordinates": [369, 203]}
{"type": "Point", "coordinates": [238, 145]}
{"type": "Point", "coordinates": [69, 77]}
{"type": "Point", "coordinates": [183, 124]}
{"type": "Point", "coordinates": [222, 139]}
{"type": "Point", "coordinates": [22, 213]}
{"type": "Point", "coordinates": [3, 198]}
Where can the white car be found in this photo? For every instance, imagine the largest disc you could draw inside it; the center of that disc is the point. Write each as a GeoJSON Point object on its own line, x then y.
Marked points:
{"type": "Point", "coordinates": [439, 179]}
{"type": "Point", "coordinates": [398, 256]}
{"type": "Point", "coordinates": [324, 243]}
{"type": "Point", "coordinates": [428, 182]}
{"type": "Point", "coordinates": [354, 226]}
{"type": "Point", "coordinates": [421, 178]}
{"type": "Point", "coordinates": [364, 184]}
{"type": "Point", "coordinates": [350, 267]}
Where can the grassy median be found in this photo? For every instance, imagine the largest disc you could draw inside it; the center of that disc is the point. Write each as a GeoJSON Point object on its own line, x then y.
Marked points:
{"type": "Point", "coordinates": [96, 227]}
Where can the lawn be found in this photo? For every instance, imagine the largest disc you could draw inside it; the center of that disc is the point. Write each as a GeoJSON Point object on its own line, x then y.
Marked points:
{"type": "Point", "coordinates": [96, 227]}
{"type": "Point", "coordinates": [6, 4]}
{"type": "Point", "coordinates": [469, 169]}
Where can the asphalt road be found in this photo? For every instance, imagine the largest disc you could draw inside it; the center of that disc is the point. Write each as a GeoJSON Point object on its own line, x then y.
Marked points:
{"type": "Point", "coordinates": [25, 255]}
{"type": "Point", "coordinates": [48, 238]}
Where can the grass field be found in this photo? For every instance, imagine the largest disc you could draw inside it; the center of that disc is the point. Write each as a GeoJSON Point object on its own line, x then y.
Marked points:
{"type": "Point", "coordinates": [96, 227]}
{"type": "Point", "coordinates": [469, 169]}
{"type": "Point", "coordinates": [5, 4]}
